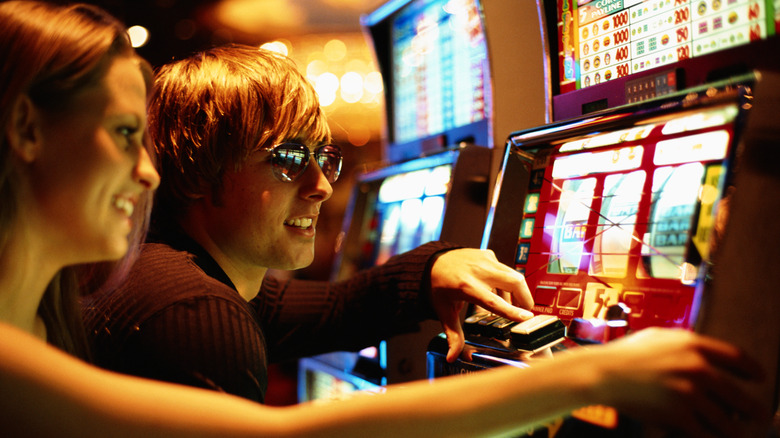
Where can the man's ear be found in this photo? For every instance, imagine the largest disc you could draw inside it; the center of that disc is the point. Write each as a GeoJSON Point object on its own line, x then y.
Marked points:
{"type": "Point", "coordinates": [23, 131]}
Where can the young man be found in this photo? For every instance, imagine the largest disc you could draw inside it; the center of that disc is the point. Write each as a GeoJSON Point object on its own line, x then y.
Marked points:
{"type": "Point", "coordinates": [246, 164]}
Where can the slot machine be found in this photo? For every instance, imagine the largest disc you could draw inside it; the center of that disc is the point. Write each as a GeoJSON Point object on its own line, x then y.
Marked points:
{"type": "Point", "coordinates": [614, 220]}
{"type": "Point", "coordinates": [615, 210]}
{"type": "Point", "coordinates": [438, 159]}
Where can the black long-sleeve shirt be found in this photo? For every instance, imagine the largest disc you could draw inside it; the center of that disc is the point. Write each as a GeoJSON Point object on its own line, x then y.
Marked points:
{"type": "Point", "coordinates": [179, 318]}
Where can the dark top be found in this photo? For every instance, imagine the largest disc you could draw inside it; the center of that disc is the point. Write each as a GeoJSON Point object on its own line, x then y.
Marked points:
{"type": "Point", "coordinates": [179, 318]}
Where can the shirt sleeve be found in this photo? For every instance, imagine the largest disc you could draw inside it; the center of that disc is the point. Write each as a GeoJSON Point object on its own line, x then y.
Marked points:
{"type": "Point", "coordinates": [303, 318]}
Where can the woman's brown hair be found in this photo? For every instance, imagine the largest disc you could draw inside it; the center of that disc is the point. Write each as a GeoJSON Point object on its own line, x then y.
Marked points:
{"type": "Point", "coordinates": [49, 53]}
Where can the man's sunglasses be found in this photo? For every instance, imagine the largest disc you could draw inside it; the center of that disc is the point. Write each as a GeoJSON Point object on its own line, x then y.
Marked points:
{"type": "Point", "coordinates": [290, 160]}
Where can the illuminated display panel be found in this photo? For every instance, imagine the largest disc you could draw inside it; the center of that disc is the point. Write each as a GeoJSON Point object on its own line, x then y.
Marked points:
{"type": "Point", "coordinates": [396, 213]}
{"type": "Point", "coordinates": [440, 76]}
{"type": "Point", "coordinates": [409, 211]}
{"type": "Point", "coordinates": [626, 215]}
{"type": "Point", "coordinates": [326, 386]}
{"type": "Point", "coordinates": [601, 40]}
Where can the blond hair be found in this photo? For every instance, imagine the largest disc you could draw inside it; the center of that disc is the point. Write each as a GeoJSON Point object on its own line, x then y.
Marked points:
{"type": "Point", "coordinates": [210, 111]}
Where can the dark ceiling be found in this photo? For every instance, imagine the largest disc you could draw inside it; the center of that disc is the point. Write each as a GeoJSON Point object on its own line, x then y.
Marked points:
{"type": "Point", "coordinates": [162, 18]}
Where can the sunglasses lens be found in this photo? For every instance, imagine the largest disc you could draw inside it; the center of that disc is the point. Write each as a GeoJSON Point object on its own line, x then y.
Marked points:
{"type": "Point", "coordinates": [289, 161]}
{"type": "Point", "coordinates": [329, 159]}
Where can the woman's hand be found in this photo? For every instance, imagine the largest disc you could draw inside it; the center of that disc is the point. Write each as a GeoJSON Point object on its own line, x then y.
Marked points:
{"type": "Point", "coordinates": [477, 277]}
{"type": "Point", "coordinates": [679, 380]}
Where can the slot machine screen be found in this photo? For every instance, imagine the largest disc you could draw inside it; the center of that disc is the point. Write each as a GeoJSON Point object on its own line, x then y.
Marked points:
{"type": "Point", "coordinates": [394, 210]}
{"type": "Point", "coordinates": [407, 211]}
{"type": "Point", "coordinates": [623, 208]}
{"type": "Point", "coordinates": [440, 72]}
{"type": "Point", "coordinates": [649, 48]}
{"type": "Point", "coordinates": [434, 62]}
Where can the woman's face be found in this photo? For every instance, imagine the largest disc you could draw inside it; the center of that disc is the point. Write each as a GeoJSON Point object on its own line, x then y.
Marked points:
{"type": "Point", "coordinates": [92, 167]}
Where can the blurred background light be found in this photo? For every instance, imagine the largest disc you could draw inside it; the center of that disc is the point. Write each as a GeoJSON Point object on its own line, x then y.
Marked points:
{"type": "Point", "coordinates": [139, 36]}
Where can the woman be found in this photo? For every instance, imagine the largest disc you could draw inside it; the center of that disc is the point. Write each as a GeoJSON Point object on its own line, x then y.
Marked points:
{"type": "Point", "coordinates": [74, 177]}
{"type": "Point", "coordinates": [74, 164]}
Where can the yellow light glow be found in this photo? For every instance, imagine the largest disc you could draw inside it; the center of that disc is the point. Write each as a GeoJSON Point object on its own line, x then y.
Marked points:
{"type": "Point", "coordinates": [327, 84]}
{"type": "Point", "coordinates": [335, 50]}
{"type": "Point", "coordinates": [139, 36]}
{"type": "Point", "coordinates": [358, 135]}
{"type": "Point", "coordinates": [316, 68]}
{"type": "Point", "coordinates": [373, 82]}
{"type": "Point", "coordinates": [351, 87]}
{"type": "Point", "coordinates": [276, 46]}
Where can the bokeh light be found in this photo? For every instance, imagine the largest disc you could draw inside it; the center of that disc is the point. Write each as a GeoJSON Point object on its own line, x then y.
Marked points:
{"type": "Point", "coordinates": [139, 36]}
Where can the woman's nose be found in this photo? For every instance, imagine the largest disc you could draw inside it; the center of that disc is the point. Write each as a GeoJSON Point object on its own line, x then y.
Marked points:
{"type": "Point", "coordinates": [145, 173]}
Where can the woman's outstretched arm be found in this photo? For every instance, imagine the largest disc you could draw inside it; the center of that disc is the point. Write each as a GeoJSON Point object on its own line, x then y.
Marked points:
{"type": "Point", "coordinates": [669, 377]}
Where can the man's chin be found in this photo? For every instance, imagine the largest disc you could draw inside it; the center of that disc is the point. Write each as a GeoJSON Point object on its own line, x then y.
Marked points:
{"type": "Point", "coordinates": [293, 263]}
{"type": "Point", "coordinates": [305, 263]}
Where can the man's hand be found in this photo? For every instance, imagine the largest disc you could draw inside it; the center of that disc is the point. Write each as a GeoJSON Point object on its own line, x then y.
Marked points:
{"type": "Point", "coordinates": [477, 277]}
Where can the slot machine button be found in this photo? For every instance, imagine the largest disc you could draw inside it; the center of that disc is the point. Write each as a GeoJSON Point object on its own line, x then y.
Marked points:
{"type": "Point", "coordinates": [471, 324]}
{"type": "Point", "coordinates": [617, 321]}
{"type": "Point", "coordinates": [569, 298]}
{"type": "Point", "coordinates": [475, 318]}
{"type": "Point", "coordinates": [484, 325]}
{"type": "Point", "coordinates": [544, 296]}
{"type": "Point", "coordinates": [635, 301]}
{"type": "Point", "coordinates": [618, 311]}
{"type": "Point", "coordinates": [537, 333]}
{"type": "Point", "coordinates": [499, 328]}
{"type": "Point", "coordinates": [587, 330]}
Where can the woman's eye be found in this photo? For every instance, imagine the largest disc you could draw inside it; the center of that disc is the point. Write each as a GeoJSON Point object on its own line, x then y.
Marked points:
{"type": "Point", "coordinates": [128, 133]}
